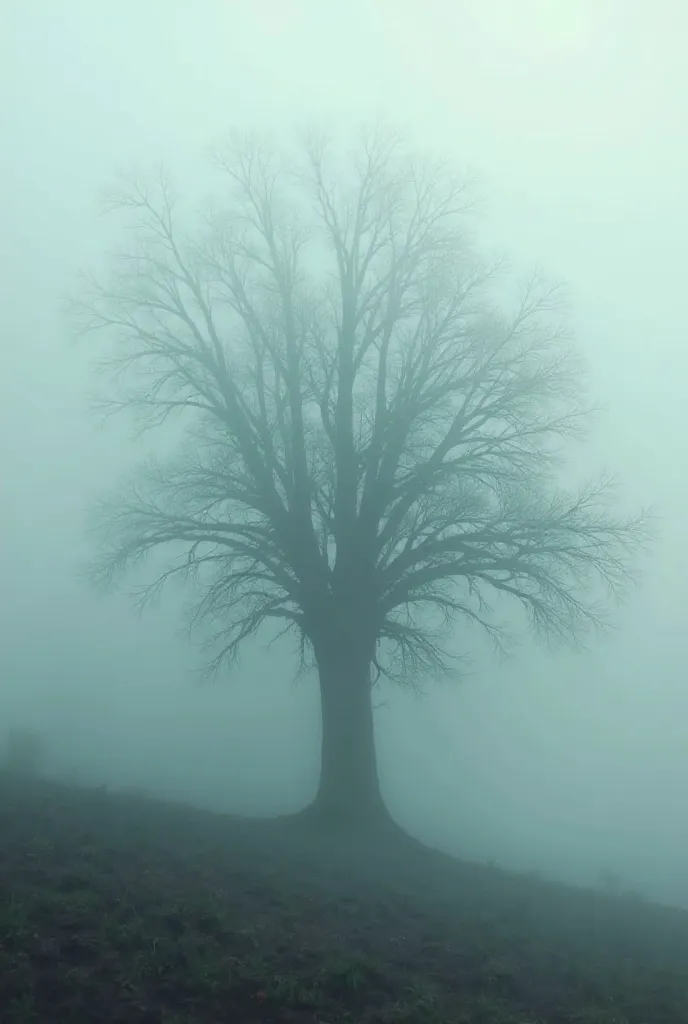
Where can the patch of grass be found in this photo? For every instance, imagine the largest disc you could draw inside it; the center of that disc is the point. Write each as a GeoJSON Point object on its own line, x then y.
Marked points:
{"type": "Point", "coordinates": [118, 908]}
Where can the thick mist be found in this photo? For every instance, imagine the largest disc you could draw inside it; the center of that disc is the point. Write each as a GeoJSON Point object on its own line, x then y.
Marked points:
{"type": "Point", "coordinates": [569, 763]}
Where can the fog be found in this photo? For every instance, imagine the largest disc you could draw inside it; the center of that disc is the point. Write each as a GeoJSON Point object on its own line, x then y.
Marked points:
{"type": "Point", "coordinates": [564, 762]}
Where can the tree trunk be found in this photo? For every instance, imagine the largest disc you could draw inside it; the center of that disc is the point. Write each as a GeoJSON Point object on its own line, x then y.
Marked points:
{"type": "Point", "coordinates": [349, 790]}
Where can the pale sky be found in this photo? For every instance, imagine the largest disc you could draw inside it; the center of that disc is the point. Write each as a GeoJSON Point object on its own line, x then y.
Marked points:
{"type": "Point", "coordinates": [573, 112]}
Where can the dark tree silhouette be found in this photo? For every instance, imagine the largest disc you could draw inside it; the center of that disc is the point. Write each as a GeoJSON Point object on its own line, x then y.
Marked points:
{"type": "Point", "coordinates": [371, 443]}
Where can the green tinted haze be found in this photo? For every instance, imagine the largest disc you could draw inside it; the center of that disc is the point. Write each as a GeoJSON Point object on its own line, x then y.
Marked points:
{"type": "Point", "coordinates": [574, 115]}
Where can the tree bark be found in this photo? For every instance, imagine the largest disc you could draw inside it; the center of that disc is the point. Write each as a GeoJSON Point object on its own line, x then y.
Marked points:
{"type": "Point", "coordinates": [349, 790]}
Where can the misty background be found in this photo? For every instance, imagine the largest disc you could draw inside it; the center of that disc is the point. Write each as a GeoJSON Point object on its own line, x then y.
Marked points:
{"type": "Point", "coordinates": [574, 114]}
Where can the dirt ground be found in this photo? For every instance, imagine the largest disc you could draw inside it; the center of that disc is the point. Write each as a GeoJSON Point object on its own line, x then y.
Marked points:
{"type": "Point", "coordinates": [117, 908]}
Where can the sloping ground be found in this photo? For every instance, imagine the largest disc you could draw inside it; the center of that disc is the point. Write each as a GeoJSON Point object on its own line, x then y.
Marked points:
{"type": "Point", "coordinates": [114, 908]}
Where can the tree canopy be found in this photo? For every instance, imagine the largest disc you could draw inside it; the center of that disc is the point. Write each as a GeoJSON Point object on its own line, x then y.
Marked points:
{"type": "Point", "coordinates": [371, 432]}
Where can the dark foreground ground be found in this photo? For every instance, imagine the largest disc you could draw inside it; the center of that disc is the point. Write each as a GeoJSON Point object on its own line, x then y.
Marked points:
{"type": "Point", "coordinates": [117, 908]}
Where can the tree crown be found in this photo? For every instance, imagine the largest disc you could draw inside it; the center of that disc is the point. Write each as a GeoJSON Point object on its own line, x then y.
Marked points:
{"type": "Point", "coordinates": [370, 438]}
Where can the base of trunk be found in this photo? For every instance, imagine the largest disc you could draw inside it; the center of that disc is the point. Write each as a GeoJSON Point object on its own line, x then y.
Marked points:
{"type": "Point", "coordinates": [373, 818]}
{"type": "Point", "coordinates": [375, 831]}
{"type": "Point", "coordinates": [377, 848]}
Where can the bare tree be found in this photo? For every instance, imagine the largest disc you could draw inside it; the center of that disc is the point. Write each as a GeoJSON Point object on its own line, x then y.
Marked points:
{"type": "Point", "coordinates": [372, 443]}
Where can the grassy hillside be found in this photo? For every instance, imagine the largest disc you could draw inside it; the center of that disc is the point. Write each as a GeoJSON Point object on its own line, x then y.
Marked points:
{"type": "Point", "coordinates": [118, 908]}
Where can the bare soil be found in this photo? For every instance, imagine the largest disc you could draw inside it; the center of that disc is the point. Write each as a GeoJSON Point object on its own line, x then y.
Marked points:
{"type": "Point", "coordinates": [118, 908]}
